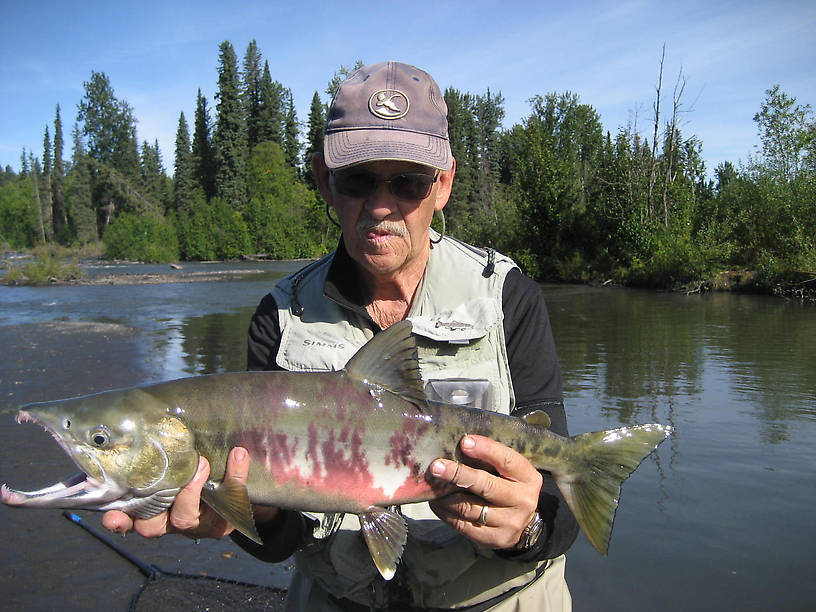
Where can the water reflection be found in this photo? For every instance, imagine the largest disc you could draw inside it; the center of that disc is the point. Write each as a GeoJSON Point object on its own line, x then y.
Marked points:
{"type": "Point", "coordinates": [633, 352]}
{"type": "Point", "coordinates": [732, 489]}
{"type": "Point", "coordinates": [206, 344]}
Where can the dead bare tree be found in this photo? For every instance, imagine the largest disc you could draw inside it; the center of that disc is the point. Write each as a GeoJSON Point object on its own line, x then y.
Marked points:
{"type": "Point", "coordinates": [671, 143]}
{"type": "Point", "coordinates": [656, 107]}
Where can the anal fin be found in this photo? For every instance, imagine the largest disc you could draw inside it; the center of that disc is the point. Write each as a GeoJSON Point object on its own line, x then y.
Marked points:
{"type": "Point", "coordinates": [385, 533]}
{"type": "Point", "coordinates": [230, 499]}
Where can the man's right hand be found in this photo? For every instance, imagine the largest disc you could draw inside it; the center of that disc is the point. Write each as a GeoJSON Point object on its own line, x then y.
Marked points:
{"type": "Point", "coordinates": [188, 515]}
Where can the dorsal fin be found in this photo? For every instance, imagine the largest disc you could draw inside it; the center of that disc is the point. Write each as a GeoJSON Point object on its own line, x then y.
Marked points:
{"type": "Point", "coordinates": [389, 360]}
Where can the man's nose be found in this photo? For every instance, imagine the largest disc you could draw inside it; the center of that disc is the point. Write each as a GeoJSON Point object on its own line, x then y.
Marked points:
{"type": "Point", "coordinates": [381, 203]}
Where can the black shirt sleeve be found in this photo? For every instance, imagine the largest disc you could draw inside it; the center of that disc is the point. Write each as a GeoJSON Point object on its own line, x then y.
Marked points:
{"type": "Point", "coordinates": [537, 385]}
{"type": "Point", "coordinates": [264, 336]}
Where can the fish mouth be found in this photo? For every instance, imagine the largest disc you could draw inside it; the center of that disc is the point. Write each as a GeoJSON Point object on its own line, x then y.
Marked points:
{"type": "Point", "coordinates": [79, 491]}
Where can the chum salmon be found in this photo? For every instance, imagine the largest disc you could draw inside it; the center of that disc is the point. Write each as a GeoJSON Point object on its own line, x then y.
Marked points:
{"type": "Point", "coordinates": [359, 440]}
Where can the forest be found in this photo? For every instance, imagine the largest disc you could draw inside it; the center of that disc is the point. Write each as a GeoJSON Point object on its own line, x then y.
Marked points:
{"type": "Point", "coordinates": [567, 200]}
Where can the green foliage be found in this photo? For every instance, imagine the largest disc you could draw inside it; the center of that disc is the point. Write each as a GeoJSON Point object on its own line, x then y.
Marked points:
{"type": "Point", "coordinates": [291, 142]}
{"type": "Point", "coordinates": [80, 215]}
{"type": "Point", "coordinates": [212, 231]}
{"type": "Point", "coordinates": [203, 156]}
{"type": "Point", "coordinates": [314, 138]}
{"type": "Point", "coordinates": [109, 126]}
{"type": "Point", "coordinates": [183, 183]}
{"type": "Point", "coordinates": [281, 210]}
{"type": "Point", "coordinates": [566, 200]}
{"type": "Point", "coordinates": [554, 160]}
{"type": "Point", "coordinates": [18, 217]}
{"type": "Point", "coordinates": [786, 130]}
{"type": "Point", "coordinates": [230, 138]}
{"type": "Point", "coordinates": [57, 182]}
{"type": "Point", "coordinates": [270, 113]}
{"type": "Point", "coordinates": [251, 92]}
{"type": "Point", "coordinates": [145, 238]}
{"type": "Point", "coordinates": [48, 265]}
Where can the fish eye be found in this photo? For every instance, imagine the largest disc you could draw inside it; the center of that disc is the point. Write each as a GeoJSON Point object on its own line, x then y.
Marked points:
{"type": "Point", "coordinates": [100, 436]}
{"type": "Point", "coordinates": [66, 424]}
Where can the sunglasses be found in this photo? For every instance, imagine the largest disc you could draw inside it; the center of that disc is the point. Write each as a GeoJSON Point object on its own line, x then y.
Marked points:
{"type": "Point", "coordinates": [405, 186]}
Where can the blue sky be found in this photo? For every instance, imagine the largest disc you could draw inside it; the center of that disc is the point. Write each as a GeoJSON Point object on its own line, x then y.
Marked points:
{"type": "Point", "coordinates": [157, 54]}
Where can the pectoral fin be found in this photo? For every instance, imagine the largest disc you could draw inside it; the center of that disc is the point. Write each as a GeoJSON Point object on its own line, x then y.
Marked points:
{"type": "Point", "coordinates": [385, 533]}
{"type": "Point", "coordinates": [230, 499]}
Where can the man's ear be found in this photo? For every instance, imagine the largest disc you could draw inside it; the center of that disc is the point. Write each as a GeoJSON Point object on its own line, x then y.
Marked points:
{"type": "Point", "coordinates": [321, 175]}
{"type": "Point", "coordinates": [445, 185]}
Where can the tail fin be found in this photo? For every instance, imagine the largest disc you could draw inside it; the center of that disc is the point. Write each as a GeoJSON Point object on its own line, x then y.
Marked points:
{"type": "Point", "coordinates": [607, 458]}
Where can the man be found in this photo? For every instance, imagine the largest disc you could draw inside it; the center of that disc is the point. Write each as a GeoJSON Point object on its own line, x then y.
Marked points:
{"type": "Point", "coordinates": [385, 170]}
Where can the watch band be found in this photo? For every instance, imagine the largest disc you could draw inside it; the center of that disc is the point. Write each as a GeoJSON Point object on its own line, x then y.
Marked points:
{"type": "Point", "coordinates": [531, 533]}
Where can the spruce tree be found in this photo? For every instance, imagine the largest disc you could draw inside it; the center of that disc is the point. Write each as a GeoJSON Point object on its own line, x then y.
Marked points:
{"type": "Point", "coordinates": [314, 138]}
{"type": "Point", "coordinates": [183, 184]}
{"type": "Point", "coordinates": [23, 164]}
{"type": "Point", "coordinates": [339, 77]}
{"type": "Point", "coordinates": [203, 162]}
{"type": "Point", "coordinates": [251, 93]}
{"type": "Point", "coordinates": [109, 126]}
{"type": "Point", "coordinates": [291, 145]}
{"type": "Point", "coordinates": [45, 188]}
{"type": "Point", "coordinates": [270, 115]}
{"type": "Point", "coordinates": [461, 134]}
{"type": "Point", "coordinates": [57, 179]}
{"type": "Point", "coordinates": [34, 163]}
{"type": "Point", "coordinates": [229, 140]}
{"type": "Point", "coordinates": [78, 197]}
{"type": "Point", "coordinates": [150, 165]}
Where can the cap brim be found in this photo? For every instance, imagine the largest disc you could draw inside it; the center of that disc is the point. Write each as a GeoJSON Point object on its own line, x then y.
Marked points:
{"type": "Point", "coordinates": [350, 147]}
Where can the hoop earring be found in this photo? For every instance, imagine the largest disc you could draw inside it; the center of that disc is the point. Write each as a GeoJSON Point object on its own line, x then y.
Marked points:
{"type": "Point", "coordinates": [328, 214]}
{"type": "Point", "coordinates": [442, 235]}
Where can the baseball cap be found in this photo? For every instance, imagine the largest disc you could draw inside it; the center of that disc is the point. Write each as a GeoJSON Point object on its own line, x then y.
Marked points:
{"type": "Point", "coordinates": [388, 111]}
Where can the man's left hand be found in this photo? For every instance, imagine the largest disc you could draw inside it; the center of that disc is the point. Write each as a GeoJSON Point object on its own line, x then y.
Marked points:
{"type": "Point", "coordinates": [511, 497]}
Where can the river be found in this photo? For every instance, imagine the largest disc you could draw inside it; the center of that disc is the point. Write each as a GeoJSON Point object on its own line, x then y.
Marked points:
{"type": "Point", "coordinates": [719, 518]}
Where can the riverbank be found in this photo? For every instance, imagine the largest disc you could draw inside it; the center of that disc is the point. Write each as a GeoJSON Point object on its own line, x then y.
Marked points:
{"type": "Point", "coordinates": [37, 269]}
{"type": "Point", "coordinates": [62, 267]}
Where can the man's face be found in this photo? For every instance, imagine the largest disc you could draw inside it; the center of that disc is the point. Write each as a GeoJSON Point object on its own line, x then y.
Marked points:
{"type": "Point", "coordinates": [386, 234]}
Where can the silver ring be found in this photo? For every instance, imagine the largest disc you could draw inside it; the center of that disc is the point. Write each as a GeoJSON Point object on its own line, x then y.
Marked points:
{"type": "Point", "coordinates": [483, 516]}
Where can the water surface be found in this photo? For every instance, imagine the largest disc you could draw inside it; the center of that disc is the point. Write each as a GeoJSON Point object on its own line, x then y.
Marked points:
{"type": "Point", "coordinates": [719, 518]}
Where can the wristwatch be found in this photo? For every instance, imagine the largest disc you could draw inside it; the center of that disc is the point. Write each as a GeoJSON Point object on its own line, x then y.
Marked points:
{"type": "Point", "coordinates": [531, 533]}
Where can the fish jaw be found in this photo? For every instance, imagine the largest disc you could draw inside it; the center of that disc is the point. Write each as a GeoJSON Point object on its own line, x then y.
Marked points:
{"type": "Point", "coordinates": [84, 490]}
{"type": "Point", "coordinates": [79, 491]}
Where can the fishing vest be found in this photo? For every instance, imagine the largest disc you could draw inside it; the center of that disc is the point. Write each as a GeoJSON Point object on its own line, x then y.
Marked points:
{"type": "Point", "coordinates": [456, 317]}
{"type": "Point", "coordinates": [457, 320]}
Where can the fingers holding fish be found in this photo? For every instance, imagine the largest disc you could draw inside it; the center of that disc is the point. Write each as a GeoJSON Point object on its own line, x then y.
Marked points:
{"type": "Point", "coordinates": [189, 516]}
{"type": "Point", "coordinates": [182, 517]}
{"type": "Point", "coordinates": [496, 508]}
{"type": "Point", "coordinates": [185, 513]}
{"type": "Point", "coordinates": [486, 525]}
{"type": "Point", "coordinates": [117, 522]}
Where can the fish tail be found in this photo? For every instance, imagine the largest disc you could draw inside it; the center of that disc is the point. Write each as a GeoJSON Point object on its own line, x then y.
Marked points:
{"type": "Point", "coordinates": [592, 485]}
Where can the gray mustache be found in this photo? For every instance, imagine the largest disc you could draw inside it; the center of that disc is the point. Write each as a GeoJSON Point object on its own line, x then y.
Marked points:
{"type": "Point", "coordinates": [394, 228]}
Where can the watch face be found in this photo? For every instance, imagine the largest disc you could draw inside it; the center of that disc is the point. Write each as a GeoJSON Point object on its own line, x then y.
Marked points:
{"type": "Point", "coordinates": [531, 533]}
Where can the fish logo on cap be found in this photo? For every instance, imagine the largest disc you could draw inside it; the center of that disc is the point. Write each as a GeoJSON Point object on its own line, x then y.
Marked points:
{"type": "Point", "coordinates": [389, 104]}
